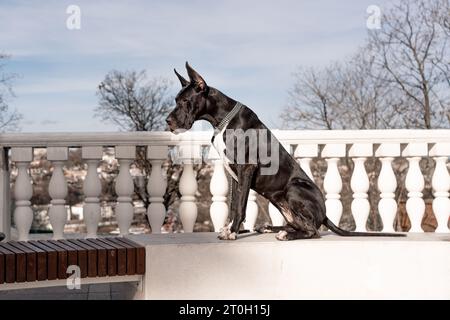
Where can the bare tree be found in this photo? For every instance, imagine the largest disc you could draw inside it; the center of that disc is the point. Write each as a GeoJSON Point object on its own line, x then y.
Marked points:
{"type": "Point", "coordinates": [399, 79]}
{"type": "Point", "coordinates": [132, 102]}
{"type": "Point", "coordinates": [309, 104]}
{"type": "Point", "coordinates": [366, 101]}
{"type": "Point", "coordinates": [342, 95]}
{"type": "Point", "coordinates": [9, 119]}
{"type": "Point", "coordinates": [441, 13]}
{"type": "Point", "coordinates": [413, 50]}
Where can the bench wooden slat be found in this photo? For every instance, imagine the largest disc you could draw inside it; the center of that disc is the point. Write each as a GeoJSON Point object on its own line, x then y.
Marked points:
{"type": "Point", "coordinates": [81, 256]}
{"type": "Point", "coordinates": [62, 258]}
{"type": "Point", "coordinates": [9, 271]}
{"type": "Point", "coordinates": [41, 260]}
{"type": "Point", "coordinates": [31, 260]}
{"type": "Point", "coordinates": [121, 255]}
{"type": "Point", "coordinates": [131, 255]}
{"type": "Point", "coordinates": [111, 257]}
{"type": "Point", "coordinates": [52, 259]}
{"type": "Point", "coordinates": [102, 259]}
{"type": "Point", "coordinates": [91, 257]}
{"type": "Point", "coordinates": [72, 256]}
{"type": "Point", "coordinates": [140, 254]}
{"type": "Point", "coordinates": [21, 262]}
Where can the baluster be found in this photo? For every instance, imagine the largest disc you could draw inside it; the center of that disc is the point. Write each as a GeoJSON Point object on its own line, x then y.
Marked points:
{"type": "Point", "coordinates": [23, 191]}
{"type": "Point", "coordinates": [441, 185]}
{"type": "Point", "coordinates": [387, 184]}
{"type": "Point", "coordinates": [57, 190]}
{"type": "Point", "coordinates": [124, 188]}
{"type": "Point", "coordinates": [360, 184]}
{"type": "Point", "coordinates": [92, 189]}
{"type": "Point", "coordinates": [219, 190]}
{"type": "Point", "coordinates": [156, 187]}
{"type": "Point", "coordinates": [415, 206]}
{"type": "Point", "coordinates": [275, 216]}
{"type": "Point", "coordinates": [304, 154]}
{"type": "Point", "coordinates": [332, 182]}
{"type": "Point", "coordinates": [251, 214]}
{"type": "Point", "coordinates": [188, 186]}
{"type": "Point", "coordinates": [5, 194]}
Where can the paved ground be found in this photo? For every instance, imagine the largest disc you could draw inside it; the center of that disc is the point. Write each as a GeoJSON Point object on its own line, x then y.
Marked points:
{"type": "Point", "coordinates": [104, 291]}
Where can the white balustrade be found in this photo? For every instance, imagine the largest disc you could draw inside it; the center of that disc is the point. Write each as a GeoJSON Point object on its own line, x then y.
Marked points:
{"type": "Point", "coordinates": [189, 146]}
{"type": "Point", "coordinates": [188, 154]}
{"type": "Point", "coordinates": [251, 214]}
{"type": "Point", "coordinates": [332, 182]}
{"type": "Point", "coordinates": [124, 188]}
{"type": "Point", "coordinates": [219, 189]}
{"type": "Point", "coordinates": [415, 205]}
{"type": "Point", "coordinates": [304, 154]}
{"type": "Point", "coordinates": [387, 184]}
{"type": "Point", "coordinates": [57, 190]}
{"type": "Point", "coordinates": [5, 215]}
{"type": "Point", "coordinates": [441, 185]}
{"type": "Point", "coordinates": [360, 184]}
{"type": "Point", "coordinates": [23, 191]}
{"type": "Point", "coordinates": [156, 187]}
{"type": "Point", "coordinates": [275, 216]}
{"type": "Point", "coordinates": [92, 189]}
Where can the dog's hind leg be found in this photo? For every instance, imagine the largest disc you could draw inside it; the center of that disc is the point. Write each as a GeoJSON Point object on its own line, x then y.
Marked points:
{"type": "Point", "coordinates": [299, 212]}
{"type": "Point", "coordinates": [298, 226]}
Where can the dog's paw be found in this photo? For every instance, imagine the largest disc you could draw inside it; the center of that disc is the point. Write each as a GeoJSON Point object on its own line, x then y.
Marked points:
{"type": "Point", "coordinates": [266, 228]}
{"type": "Point", "coordinates": [226, 234]}
{"type": "Point", "coordinates": [282, 236]}
{"type": "Point", "coordinates": [224, 231]}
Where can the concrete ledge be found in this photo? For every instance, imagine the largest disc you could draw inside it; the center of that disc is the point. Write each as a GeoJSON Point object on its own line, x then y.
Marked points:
{"type": "Point", "coordinates": [198, 266]}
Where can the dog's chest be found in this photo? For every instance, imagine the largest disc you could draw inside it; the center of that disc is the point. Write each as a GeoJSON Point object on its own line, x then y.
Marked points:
{"type": "Point", "coordinates": [220, 147]}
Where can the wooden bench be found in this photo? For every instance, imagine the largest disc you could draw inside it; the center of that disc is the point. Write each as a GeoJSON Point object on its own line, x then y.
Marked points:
{"type": "Point", "coordinates": [37, 261]}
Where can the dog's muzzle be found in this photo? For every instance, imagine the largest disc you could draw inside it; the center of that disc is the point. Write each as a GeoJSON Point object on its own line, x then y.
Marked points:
{"type": "Point", "coordinates": [171, 123]}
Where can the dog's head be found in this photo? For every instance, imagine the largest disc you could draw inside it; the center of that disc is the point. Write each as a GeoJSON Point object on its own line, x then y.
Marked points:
{"type": "Point", "coordinates": [190, 101]}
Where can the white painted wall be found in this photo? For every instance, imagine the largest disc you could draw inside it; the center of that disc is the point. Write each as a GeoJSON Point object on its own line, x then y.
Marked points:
{"type": "Point", "coordinates": [198, 266]}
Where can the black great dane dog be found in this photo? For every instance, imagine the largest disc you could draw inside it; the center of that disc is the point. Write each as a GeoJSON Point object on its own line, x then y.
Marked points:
{"type": "Point", "coordinates": [288, 188]}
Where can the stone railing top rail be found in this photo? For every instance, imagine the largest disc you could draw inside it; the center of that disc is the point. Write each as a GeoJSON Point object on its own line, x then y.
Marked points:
{"type": "Point", "coordinates": [75, 139]}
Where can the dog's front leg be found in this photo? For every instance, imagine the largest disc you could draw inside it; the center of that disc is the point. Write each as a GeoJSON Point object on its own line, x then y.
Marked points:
{"type": "Point", "coordinates": [239, 199]}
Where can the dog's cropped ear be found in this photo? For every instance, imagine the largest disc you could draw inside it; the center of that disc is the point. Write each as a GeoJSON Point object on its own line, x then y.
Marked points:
{"type": "Point", "coordinates": [183, 81]}
{"type": "Point", "coordinates": [195, 78]}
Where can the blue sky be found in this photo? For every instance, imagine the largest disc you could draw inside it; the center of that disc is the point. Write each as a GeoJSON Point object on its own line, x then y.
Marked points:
{"type": "Point", "coordinates": [246, 49]}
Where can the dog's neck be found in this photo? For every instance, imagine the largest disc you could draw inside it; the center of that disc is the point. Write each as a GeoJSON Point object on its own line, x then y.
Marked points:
{"type": "Point", "coordinates": [218, 105]}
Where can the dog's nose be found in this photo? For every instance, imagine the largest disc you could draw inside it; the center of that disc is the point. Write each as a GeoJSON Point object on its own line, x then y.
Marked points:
{"type": "Point", "coordinates": [169, 121]}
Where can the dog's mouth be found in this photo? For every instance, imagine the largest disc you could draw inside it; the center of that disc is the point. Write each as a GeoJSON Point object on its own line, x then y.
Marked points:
{"type": "Point", "coordinates": [174, 128]}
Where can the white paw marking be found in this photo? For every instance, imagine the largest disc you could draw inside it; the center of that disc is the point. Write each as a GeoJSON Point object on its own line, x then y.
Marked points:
{"type": "Point", "coordinates": [226, 234]}
{"type": "Point", "coordinates": [282, 235]}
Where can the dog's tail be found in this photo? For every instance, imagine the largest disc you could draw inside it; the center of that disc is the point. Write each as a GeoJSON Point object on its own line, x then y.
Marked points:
{"type": "Point", "coordinates": [330, 225]}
